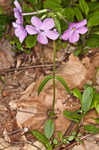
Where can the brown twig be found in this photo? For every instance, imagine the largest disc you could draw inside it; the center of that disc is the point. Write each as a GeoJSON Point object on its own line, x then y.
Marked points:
{"type": "Point", "coordinates": [7, 70]}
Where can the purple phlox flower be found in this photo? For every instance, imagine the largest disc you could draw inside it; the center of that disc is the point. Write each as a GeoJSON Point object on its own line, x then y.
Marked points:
{"type": "Point", "coordinates": [20, 31]}
{"type": "Point", "coordinates": [72, 33]}
{"type": "Point", "coordinates": [44, 29]}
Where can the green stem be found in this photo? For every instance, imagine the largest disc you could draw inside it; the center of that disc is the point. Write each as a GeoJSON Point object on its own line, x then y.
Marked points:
{"type": "Point", "coordinates": [54, 61]}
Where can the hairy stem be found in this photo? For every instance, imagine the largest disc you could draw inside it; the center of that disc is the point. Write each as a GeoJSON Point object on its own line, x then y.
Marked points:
{"type": "Point", "coordinates": [54, 61]}
{"type": "Point", "coordinates": [36, 12]}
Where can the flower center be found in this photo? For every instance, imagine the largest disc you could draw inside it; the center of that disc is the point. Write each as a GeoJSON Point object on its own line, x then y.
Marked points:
{"type": "Point", "coordinates": [74, 28]}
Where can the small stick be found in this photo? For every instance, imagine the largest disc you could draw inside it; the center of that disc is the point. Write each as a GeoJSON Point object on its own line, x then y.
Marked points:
{"type": "Point", "coordinates": [6, 70]}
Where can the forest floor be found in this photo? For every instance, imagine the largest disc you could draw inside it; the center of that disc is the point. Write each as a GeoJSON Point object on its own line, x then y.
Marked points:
{"type": "Point", "coordinates": [22, 108]}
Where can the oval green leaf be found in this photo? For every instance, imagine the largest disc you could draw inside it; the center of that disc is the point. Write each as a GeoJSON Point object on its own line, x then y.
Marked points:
{"type": "Point", "coordinates": [87, 98]}
{"type": "Point", "coordinates": [49, 128]}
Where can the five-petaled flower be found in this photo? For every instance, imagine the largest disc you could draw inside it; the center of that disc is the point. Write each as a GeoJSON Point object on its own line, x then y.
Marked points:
{"type": "Point", "coordinates": [72, 33]}
{"type": "Point", "coordinates": [20, 31]}
{"type": "Point", "coordinates": [44, 29]}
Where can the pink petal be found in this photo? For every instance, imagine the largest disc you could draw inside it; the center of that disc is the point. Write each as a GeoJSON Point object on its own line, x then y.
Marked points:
{"type": "Point", "coordinates": [74, 37]}
{"type": "Point", "coordinates": [52, 34]}
{"type": "Point", "coordinates": [31, 30]}
{"type": "Point", "coordinates": [16, 3]}
{"type": "Point", "coordinates": [66, 34]}
{"type": "Point", "coordinates": [82, 30]}
{"type": "Point", "coordinates": [47, 24]}
{"type": "Point", "coordinates": [72, 25]}
{"type": "Point", "coordinates": [81, 23]}
{"type": "Point", "coordinates": [18, 16]}
{"type": "Point", "coordinates": [42, 38]}
{"type": "Point", "coordinates": [36, 22]}
{"type": "Point", "coordinates": [21, 33]}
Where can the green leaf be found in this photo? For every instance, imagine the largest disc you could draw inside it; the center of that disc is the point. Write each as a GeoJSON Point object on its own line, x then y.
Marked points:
{"type": "Point", "coordinates": [93, 19]}
{"type": "Point", "coordinates": [77, 93]}
{"type": "Point", "coordinates": [87, 98]}
{"type": "Point", "coordinates": [92, 41]}
{"type": "Point", "coordinates": [58, 26]}
{"type": "Point", "coordinates": [55, 141]}
{"type": "Point", "coordinates": [69, 14]}
{"type": "Point", "coordinates": [63, 82]}
{"type": "Point", "coordinates": [93, 6]}
{"type": "Point", "coordinates": [96, 99]}
{"type": "Point", "coordinates": [91, 129]}
{"type": "Point", "coordinates": [42, 138]}
{"type": "Point", "coordinates": [78, 51]}
{"type": "Point", "coordinates": [71, 138]}
{"type": "Point", "coordinates": [97, 108]}
{"type": "Point", "coordinates": [78, 13]}
{"type": "Point", "coordinates": [53, 4]}
{"type": "Point", "coordinates": [1, 10]}
{"type": "Point", "coordinates": [60, 135]}
{"type": "Point", "coordinates": [84, 6]}
{"type": "Point", "coordinates": [49, 128]}
{"type": "Point", "coordinates": [74, 116]}
{"type": "Point", "coordinates": [31, 41]}
{"type": "Point", "coordinates": [43, 83]}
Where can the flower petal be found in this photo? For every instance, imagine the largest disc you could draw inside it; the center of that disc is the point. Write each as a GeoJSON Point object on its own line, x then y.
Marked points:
{"type": "Point", "coordinates": [74, 37]}
{"type": "Point", "coordinates": [16, 3]}
{"type": "Point", "coordinates": [47, 24]}
{"type": "Point", "coordinates": [66, 34]}
{"type": "Point", "coordinates": [42, 38]}
{"type": "Point", "coordinates": [18, 16]}
{"type": "Point", "coordinates": [31, 30]}
{"type": "Point", "coordinates": [36, 22]}
{"type": "Point", "coordinates": [52, 34]}
{"type": "Point", "coordinates": [82, 30]}
{"type": "Point", "coordinates": [21, 33]}
{"type": "Point", "coordinates": [81, 23]}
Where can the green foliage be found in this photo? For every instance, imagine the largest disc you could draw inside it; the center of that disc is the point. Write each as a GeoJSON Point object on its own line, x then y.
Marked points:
{"type": "Point", "coordinates": [78, 13]}
{"type": "Point", "coordinates": [78, 51]}
{"type": "Point", "coordinates": [93, 6]}
{"type": "Point", "coordinates": [63, 82]}
{"type": "Point", "coordinates": [74, 116]}
{"type": "Point", "coordinates": [42, 138]}
{"type": "Point", "coordinates": [49, 128]}
{"type": "Point", "coordinates": [1, 10]}
{"type": "Point", "coordinates": [43, 83]}
{"type": "Point", "coordinates": [84, 6]}
{"type": "Point", "coordinates": [87, 98]}
{"type": "Point", "coordinates": [92, 41]}
{"type": "Point", "coordinates": [93, 19]}
{"type": "Point", "coordinates": [58, 25]}
{"type": "Point", "coordinates": [91, 129]}
{"type": "Point", "coordinates": [31, 41]}
{"type": "Point", "coordinates": [69, 14]}
{"type": "Point", "coordinates": [53, 5]}
{"type": "Point", "coordinates": [77, 93]}
{"type": "Point", "coordinates": [15, 42]}
{"type": "Point", "coordinates": [4, 20]}
{"type": "Point", "coordinates": [59, 78]}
